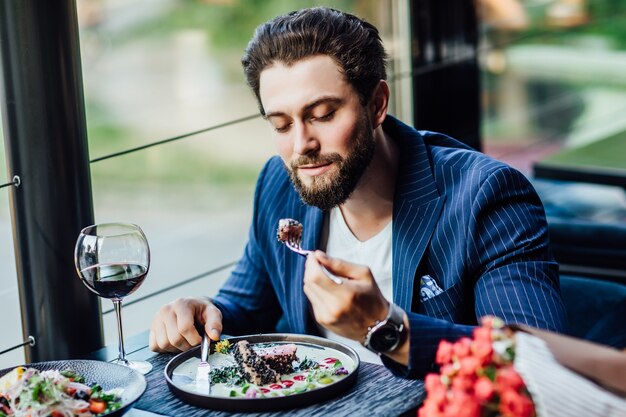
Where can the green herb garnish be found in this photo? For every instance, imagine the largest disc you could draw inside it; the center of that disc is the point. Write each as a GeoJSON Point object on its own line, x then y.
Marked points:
{"type": "Point", "coordinates": [306, 364]}
{"type": "Point", "coordinates": [228, 375]}
{"type": "Point", "coordinates": [68, 373]}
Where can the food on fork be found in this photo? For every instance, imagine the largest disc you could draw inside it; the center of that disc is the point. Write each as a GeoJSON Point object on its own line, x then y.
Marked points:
{"type": "Point", "coordinates": [289, 230]}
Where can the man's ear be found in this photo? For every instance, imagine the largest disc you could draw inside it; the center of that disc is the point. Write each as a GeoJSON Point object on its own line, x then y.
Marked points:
{"type": "Point", "coordinates": [379, 103]}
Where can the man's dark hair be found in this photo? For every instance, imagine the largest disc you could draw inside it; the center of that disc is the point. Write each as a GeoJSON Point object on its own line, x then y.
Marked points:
{"type": "Point", "coordinates": [353, 43]}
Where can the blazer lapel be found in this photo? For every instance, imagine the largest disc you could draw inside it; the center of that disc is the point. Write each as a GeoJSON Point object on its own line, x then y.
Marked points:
{"type": "Point", "coordinates": [416, 209]}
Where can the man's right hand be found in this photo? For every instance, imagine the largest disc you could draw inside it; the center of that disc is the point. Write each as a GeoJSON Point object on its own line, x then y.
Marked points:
{"type": "Point", "coordinates": [174, 326]}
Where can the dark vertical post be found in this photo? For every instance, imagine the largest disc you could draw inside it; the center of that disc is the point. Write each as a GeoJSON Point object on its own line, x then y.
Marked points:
{"type": "Point", "coordinates": [46, 146]}
{"type": "Point", "coordinates": [446, 81]}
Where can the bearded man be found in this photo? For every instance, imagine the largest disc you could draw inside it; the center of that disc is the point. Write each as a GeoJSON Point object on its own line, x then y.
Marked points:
{"type": "Point", "coordinates": [424, 234]}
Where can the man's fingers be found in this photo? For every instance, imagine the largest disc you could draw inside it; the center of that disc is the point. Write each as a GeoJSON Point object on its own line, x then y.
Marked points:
{"type": "Point", "coordinates": [186, 327]}
{"type": "Point", "coordinates": [159, 341]}
{"type": "Point", "coordinates": [316, 274]}
{"type": "Point", "coordinates": [342, 268]}
{"type": "Point", "coordinates": [319, 299]}
{"type": "Point", "coordinates": [174, 335]}
{"type": "Point", "coordinates": [152, 344]}
{"type": "Point", "coordinates": [213, 322]}
{"type": "Point", "coordinates": [179, 325]}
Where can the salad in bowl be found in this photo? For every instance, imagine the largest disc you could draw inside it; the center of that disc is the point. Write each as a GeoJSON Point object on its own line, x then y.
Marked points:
{"type": "Point", "coordinates": [52, 393]}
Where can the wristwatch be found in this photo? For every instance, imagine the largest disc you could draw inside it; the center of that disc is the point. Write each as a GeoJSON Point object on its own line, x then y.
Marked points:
{"type": "Point", "coordinates": [384, 336]}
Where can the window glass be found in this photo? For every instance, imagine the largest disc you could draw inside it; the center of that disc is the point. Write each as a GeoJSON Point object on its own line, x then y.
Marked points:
{"type": "Point", "coordinates": [554, 75]}
{"type": "Point", "coordinates": [158, 69]}
{"type": "Point", "coordinates": [9, 297]}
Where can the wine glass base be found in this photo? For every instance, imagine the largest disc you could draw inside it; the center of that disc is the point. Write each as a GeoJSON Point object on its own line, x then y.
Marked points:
{"type": "Point", "coordinates": [142, 367]}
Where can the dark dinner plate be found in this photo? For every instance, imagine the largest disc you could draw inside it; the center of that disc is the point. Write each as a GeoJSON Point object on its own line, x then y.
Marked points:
{"type": "Point", "coordinates": [107, 375]}
{"type": "Point", "coordinates": [273, 403]}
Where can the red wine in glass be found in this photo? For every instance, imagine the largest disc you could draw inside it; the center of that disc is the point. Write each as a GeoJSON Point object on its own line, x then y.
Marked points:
{"type": "Point", "coordinates": [114, 280]}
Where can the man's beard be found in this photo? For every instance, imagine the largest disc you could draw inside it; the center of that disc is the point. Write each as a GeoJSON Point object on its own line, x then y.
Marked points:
{"type": "Point", "coordinates": [327, 192]}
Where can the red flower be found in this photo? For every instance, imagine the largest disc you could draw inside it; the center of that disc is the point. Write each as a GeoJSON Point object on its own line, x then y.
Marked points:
{"type": "Point", "coordinates": [484, 389]}
{"type": "Point", "coordinates": [449, 369]}
{"type": "Point", "coordinates": [435, 389]}
{"type": "Point", "coordinates": [469, 366]}
{"type": "Point", "coordinates": [482, 334]}
{"type": "Point", "coordinates": [462, 406]}
{"type": "Point", "coordinates": [491, 322]}
{"type": "Point", "coordinates": [430, 409]}
{"type": "Point", "coordinates": [483, 350]}
{"type": "Point", "coordinates": [508, 378]}
{"type": "Point", "coordinates": [444, 353]}
{"type": "Point", "coordinates": [433, 382]}
{"type": "Point", "coordinates": [462, 384]}
{"type": "Point", "coordinates": [487, 321]}
{"type": "Point", "coordinates": [462, 348]}
{"type": "Point", "coordinates": [474, 380]}
{"type": "Point", "coordinates": [514, 404]}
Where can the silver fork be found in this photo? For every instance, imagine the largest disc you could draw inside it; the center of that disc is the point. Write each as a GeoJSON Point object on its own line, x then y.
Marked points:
{"type": "Point", "coordinates": [294, 245]}
{"type": "Point", "coordinates": [203, 374]}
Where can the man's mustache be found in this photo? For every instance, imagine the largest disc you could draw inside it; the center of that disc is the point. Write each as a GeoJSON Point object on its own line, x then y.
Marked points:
{"type": "Point", "coordinates": [315, 160]}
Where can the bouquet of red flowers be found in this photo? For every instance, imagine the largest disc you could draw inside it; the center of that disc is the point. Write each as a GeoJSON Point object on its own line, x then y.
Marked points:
{"type": "Point", "coordinates": [477, 378]}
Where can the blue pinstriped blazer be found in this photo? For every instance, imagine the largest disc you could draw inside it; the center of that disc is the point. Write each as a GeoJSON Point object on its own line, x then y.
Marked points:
{"type": "Point", "coordinates": [473, 224]}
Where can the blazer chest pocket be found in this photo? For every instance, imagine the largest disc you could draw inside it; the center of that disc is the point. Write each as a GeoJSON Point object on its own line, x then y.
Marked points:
{"type": "Point", "coordinates": [438, 302]}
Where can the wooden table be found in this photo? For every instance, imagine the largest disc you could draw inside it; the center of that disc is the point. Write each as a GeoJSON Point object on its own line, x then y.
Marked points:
{"type": "Point", "coordinates": [376, 393]}
{"type": "Point", "coordinates": [600, 162]}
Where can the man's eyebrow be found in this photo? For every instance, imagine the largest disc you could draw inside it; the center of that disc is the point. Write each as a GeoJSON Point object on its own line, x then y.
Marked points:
{"type": "Point", "coordinates": [323, 100]}
{"type": "Point", "coordinates": [310, 106]}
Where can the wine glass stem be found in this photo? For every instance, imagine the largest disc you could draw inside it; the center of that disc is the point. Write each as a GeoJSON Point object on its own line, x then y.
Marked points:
{"type": "Point", "coordinates": [117, 305]}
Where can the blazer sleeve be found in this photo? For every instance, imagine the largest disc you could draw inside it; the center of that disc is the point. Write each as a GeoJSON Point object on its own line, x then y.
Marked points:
{"type": "Point", "coordinates": [510, 273]}
{"type": "Point", "coordinates": [517, 278]}
{"type": "Point", "coordinates": [247, 300]}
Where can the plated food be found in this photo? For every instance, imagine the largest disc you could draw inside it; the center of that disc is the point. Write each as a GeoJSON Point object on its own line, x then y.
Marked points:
{"type": "Point", "coordinates": [30, 392]}
{"type": "Point", "coordinates": [55, 388]}
{"type": "Point", "coordinates": [266, 372]}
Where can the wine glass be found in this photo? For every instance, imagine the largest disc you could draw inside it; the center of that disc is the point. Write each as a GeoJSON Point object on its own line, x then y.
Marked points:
{"type": "Point", "coordinates": [112, 260]}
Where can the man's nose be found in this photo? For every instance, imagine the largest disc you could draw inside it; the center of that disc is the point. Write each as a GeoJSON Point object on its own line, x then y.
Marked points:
{"type": "Point", "coordinates": [304, 141]}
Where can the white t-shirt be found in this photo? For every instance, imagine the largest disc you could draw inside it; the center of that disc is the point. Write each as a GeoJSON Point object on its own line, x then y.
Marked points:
{"type": "Point", "coordinates": [374, 252]}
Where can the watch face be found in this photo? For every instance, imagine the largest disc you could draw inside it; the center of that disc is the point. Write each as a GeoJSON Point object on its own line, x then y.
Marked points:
{"type": "Point", "coordinates": [384, 338]}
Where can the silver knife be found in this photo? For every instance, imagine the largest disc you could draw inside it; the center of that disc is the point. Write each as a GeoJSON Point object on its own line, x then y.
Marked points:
{"type": "Point", "coordinates": [203, 374]}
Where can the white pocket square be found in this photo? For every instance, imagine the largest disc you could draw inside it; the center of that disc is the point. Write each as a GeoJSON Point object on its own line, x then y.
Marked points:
{"type": "Point", "coordinates": [429, 288]}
